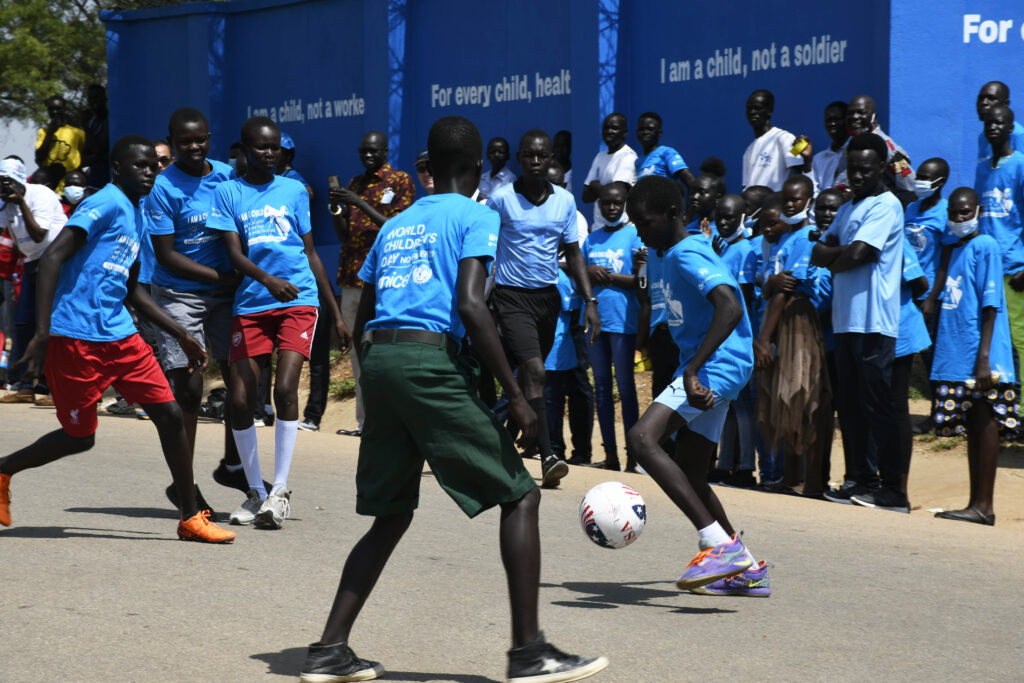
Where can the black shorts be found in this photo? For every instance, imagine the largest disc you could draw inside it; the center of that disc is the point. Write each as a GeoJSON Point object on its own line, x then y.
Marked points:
{"type": "Point", "coordinates": [527, 319]}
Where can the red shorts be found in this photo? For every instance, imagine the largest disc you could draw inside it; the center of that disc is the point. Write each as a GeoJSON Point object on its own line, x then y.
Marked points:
{"type": "Point", "coordinates": [79, 371]}
{"type": "Point", "coordinates": [286, 329]}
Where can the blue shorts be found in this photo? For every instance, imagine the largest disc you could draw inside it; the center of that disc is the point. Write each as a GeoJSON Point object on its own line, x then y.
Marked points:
{"type": "Point", "coordinates": [707, 423]}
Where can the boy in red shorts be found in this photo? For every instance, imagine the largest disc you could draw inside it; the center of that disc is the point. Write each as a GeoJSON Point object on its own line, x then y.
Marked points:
{"type": "Point", "coordinates": [264, 219]}
{"type": "Point", "coordinates": [90, 342]}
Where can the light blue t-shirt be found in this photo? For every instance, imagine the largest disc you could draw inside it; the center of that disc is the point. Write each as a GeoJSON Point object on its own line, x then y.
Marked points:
{"type": "Point", "coordinates": [866, 299]}
{"type": "Point", "coordinates": [924, 231]}
{"type": "Point", "coordinates": [147, 257]}
{"type": "Point", "coordinates": [617, 307]}
{"type": "Point", "coordinates": [739, 257]}
{"type": "Point", "coordinates": [270, 219]}
{"type": "Point", "coordinates": [1016, 142]}
{"type": "Point", "coordinates": [530, 235]}
{"type": "Point", "coordinates": [179, 205]}
{"type": "Point", "coordinates": [1001, 193]}
{"type": "Point", "coordinates": [662, 161]}
{"type": "Point", "coordinates": [913, 336]}
{"type": "Point", "coordinates": [973, 282]}
{"type": "Point", "coordinates": [414, 263]}
{"type": "Point", "coordinates": [824, 305]}
{"type": "Point", "coordinates": [792, 252]}
{"type": "Point", "coordinates": [563, 352]}
{"type": "Point", "coordinates": [89, 300]}
{"type": "Point", "coordinates": [757, 245]}
{"type": "Point", "coordinates": [656, 288]}
{"type": "Point", "coordinates": [691, 270]}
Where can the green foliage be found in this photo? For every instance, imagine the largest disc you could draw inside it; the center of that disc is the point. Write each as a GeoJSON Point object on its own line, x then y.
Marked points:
{"type": "Point", "coordinates": [341, 389]}
{"type": "Point", "coordinates": [53, 47]}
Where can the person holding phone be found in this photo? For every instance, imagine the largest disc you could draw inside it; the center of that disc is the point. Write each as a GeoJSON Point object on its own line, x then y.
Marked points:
{"type": "Point", "coordinates": [358, 211]}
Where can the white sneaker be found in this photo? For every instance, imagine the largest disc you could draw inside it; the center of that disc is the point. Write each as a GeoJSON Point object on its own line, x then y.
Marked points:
{"type": "Point", "coordinates": [275, 509]}
{"type": "Point", "coordinates": [246, 512]}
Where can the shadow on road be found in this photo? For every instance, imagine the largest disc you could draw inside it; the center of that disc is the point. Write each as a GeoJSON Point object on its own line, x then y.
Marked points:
{"type": "Point", "coordinates": [77, 532]}
{"type": "Point", "coordinates": [609, 595]}
{"type": "Point", "coordinates": [289, 662]}
{"type": "Point", "coordinates": [155, 513]}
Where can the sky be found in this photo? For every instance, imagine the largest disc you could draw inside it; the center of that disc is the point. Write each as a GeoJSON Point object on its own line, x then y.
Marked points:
{"type": "Point", "coordinates": [16, 137]}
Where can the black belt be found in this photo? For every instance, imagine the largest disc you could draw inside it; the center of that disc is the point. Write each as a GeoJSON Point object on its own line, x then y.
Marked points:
{"type": "Point", "coordinates": [395, 336]}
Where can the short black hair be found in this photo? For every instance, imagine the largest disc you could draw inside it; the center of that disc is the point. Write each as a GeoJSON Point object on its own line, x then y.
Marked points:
{"type": "Point", "coordinates": [801, 179]}
{"type": "Point", "coordinates": [618, 114]}
{"type": "Point", "coordinates": [714, 166]}
{"type": "Point", "coordinates": [831, 192]}
{"type": "Point", "coordinates": [254, 124]}
{"type": "Point", "coordinates": [658, 195]}
{"type": "Point", "coordinates": [718, 180]}
{"type": "Point", "coordinates": [998, 107]}
{"type": "Point", "coordinates": [938, 161]}
{"type": "Point", "coordinates": [767, 95]}
{"type": "Point", "coordinates": [756, 194]}
{"type": "Point", "coordinates": [499, 139]}
{"type": "Point", "coordinates": [617, 185]}
{"type": "Point", "coordinates": [534, 133]}
{"type": "Point", "coordinates": [157, 141]}
{"type": "Point", "coordinates": [454, 146]}
{"type": "Point", "coordinates": [651, 115]}
{"type": "Point", "coordinates": [772, 202]}
{"type": "Point", "coordinates": [863, 142]}
{"type": "Point", "coordinates": [838, 104]}
{"type": "Point", "coordinates": [964, 192]}
{"type": "Point", "coordinates": [185, 115]}
{"type": "Point", "coordinates": [124, 145]}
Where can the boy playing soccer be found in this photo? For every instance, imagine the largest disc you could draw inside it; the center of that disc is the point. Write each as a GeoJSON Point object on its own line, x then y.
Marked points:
{"type": "Point", "coordinates": [90, 342]}
{"type": "Point", "coordinates": [716, 358]}
{"type": "Point", "coordinates": [275, 306]}
{"type": "Point", "coordinates": [421, 405]}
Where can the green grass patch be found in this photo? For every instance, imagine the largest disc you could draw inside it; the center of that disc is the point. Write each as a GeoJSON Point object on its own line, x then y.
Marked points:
{"type": "Point", "coordinates": [342, 389]}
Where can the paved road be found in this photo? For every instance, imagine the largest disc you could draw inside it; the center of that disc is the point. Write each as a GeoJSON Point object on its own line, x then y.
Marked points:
{"type": "Point", "coordinates": [96, 587]}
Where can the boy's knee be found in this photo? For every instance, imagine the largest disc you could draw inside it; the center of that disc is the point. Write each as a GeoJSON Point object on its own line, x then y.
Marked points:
{"type": "Point", "coordinates": [285, 397]}
{"type": "Point", "coordinates": [164, 414]}
{"type": "Point", "coordinates": [80, 444]}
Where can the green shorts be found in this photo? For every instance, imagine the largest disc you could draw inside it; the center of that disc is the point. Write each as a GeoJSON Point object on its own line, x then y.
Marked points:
{"type": "Point", "coordinates": [421, 406]}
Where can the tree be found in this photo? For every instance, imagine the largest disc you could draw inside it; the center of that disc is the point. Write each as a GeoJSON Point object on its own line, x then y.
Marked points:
{"type": "Point", "coordinates": [53, 47]}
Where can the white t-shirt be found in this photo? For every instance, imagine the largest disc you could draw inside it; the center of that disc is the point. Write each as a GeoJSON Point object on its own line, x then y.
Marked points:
{"type": "Point", "coordinates": [568, 180]}
{"type": "Point", "coordinates": [609, 168]}
{"type": "Point", "coordinates": [828, 167]}
{"type": "Point", "coordinates": [767, 160]}
{"type": "Point", "coordinates": [490, 184]}
{"type": "Point", "coordinates": [49, 214]}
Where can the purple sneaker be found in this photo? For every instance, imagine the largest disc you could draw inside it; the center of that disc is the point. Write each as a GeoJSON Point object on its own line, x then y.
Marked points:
{"type": "Point", "coordinates": [753, 583]}
{"type": "Point", "coordinates": [712, 564]}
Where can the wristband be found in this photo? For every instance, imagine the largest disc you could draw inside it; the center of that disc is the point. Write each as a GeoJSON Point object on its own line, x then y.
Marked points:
{"type": "Point", "coordinates": [591, 300]}
{"type": "Point", "coordinates": [337, 210]}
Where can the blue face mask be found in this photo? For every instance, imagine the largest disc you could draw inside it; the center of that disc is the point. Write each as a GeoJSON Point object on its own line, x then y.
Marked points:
{"type": "Point", "coordinates": [924, 188]}
{"type": "Point", "coordinates": [751, 220]}
{"type": "Point", "coordinates": [797, 217]}
{"type": "Point", "coordinates": [966, 228]}
{"type": "Point", "coordinates": [233, 163]}
{"type": "Point", "coordinates": [74, 193]}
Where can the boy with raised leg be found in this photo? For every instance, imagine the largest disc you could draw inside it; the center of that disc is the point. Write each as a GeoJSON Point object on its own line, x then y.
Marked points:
{"type": "Point", "coordinates": [716, 359]}
{"type": "Point", "coordinates": [90, 341]}
{"type": "Point", "coordinates": [421, 405]}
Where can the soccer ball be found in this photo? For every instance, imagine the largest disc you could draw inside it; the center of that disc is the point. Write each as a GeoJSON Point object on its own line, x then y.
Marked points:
{"type": "Point", "coordinates": [612, 514]}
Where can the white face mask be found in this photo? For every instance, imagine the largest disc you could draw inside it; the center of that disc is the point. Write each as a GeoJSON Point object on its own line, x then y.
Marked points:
{"type": "Point", "coordinates": [924, 188]}
{"type": "Point", "coordinates": [798, 217]}
{"type": "Point", "coordinates": [74, 193]}
{"type": "Point", "coordinates": [966, 228]}
{"type": "Point", "coordinates": [736, 234]}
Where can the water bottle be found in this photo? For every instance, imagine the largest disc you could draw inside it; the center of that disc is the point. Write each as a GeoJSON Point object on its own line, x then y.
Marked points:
{"type": "Point", "coordinates": [641, 276]}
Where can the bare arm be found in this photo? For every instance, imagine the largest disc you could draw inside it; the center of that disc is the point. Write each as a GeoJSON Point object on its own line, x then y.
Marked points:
{"type": "Point", "coordinates": [982, 369]}
{"type": "Point", "coordinates": [841, 259]}
{"type": "Point", "coordinates": [576, 268]}
{"type": "Point", "coordinates": [169, 258]}
{"type": "Point", "coordinates": [32, 227]}
{"type": "Point", "coordinates": [762, 345]}
{"type": "Point", "coordinates": [928, 307]}
{"type": "Point", "coordinates": [149, 309]}
{"type": "Point", "coordinates": [281, 290]}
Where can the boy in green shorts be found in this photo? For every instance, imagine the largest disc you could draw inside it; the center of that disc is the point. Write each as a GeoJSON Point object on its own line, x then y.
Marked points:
{"type": "Point", "coordinates": [425, 290]}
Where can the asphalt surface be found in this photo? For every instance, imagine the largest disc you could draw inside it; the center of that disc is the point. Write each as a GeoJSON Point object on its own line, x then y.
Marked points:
{"type": "Point", "coordinates": [97, 587]}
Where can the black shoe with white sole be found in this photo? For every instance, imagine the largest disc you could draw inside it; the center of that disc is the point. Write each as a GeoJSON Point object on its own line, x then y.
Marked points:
{"type": "Point", "coordinates": [552, 469]}
{"type": "Point", "coordinates": [337, 663]}
{"type": "Point", "coordinates": [883, 499]}
{"type": "Point", "coordinates": [541, 662]}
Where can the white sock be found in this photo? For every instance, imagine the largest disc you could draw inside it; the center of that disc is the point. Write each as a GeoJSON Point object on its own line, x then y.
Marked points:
{"type": "Point", "coordinates": [284, 441]}
{"type": "Point", "coordinates": [233, 468]}
{"type": "Point", "coordinates": [248, 451]}
{"type": "Point", "coordinates": [710, 535]}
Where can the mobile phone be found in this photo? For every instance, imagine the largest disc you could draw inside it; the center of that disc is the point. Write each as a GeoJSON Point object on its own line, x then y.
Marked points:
{"type": "Point", "coordinates": [333, 182]}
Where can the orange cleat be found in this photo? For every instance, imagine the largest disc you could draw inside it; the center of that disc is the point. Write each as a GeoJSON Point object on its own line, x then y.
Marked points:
{"type": "Point", "coordinates": [200, 528]}
{"type": "Point", "coordinates": [5, 499]}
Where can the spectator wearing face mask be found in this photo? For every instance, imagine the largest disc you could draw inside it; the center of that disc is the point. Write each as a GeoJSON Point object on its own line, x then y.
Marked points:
{"type": "Point", "coordinates": [75, 190]}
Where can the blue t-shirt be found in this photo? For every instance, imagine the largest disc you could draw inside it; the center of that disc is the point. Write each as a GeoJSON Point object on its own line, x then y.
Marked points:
{"type": "Point", "coordinates": [924, 231]}
{"type": "Point", "coordinates": [530, 235]}
{"type": "Point", "coordinates": [179, 205]}
{"type": "Point", "coordinates": [147, 257]}
{"type": "Point", "coordinates": [739, 257]}
{"type": "Point", "coordinates": [563, 352]}
{"type": "Point", "coordinates": [414, 263]}
{"type": "Point", "coordinates": [1016, 142]}
{"type": "Point", "coordinates": [1001, 193]}
{"type": "Point", "coordinates": [824, 305]}
{"type": "Point", "coordinates": [792, 252]}
{"type": "Point", "coordinates": [656, 288]}
{"type": "Point", "coordinates": [617, 307]}
{"type": "Point", "coordinates": [93, 283]}
{"type": "Point", "coordinates": [757, 245]}
{"type": "Point", "coordinates": [973, 282]}
{"type": "Point", "coordinates": [270, 219]}
{"type": "Point", "coordinates": [662, 161]}
{"type": "Point", "coordinates": [294, 175]}
{"type": "Point", "coordinates": [913, 336]}
{"type": "Point", "coordinates": [691, 270]}
{"type": "Point", "coordinates": [693, 227]}
{"type": "Point", "coordinates": [866, 298]}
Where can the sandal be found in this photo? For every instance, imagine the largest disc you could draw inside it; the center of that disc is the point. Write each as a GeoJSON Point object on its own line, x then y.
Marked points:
{"type": "Point", "coordinates": [970, 514]}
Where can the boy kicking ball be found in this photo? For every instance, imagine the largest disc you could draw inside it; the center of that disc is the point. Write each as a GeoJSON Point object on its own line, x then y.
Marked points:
{"type": "Point", "coordinates": [716, 357]}
{"type": "Point", "coordinates": [264, 220]}
{"type": "Point", "coordinates": [90, 341]}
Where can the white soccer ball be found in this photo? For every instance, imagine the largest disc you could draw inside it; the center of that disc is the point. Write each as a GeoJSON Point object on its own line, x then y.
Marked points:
{"type": "Point", "coordinates": [612, 514]}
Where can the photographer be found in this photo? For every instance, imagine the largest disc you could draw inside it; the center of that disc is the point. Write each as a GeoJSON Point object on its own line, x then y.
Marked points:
{"type": "Point", "coordinates": [34, 216]}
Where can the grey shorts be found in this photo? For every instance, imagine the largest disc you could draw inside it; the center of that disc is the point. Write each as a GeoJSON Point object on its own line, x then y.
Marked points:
{"type": "Point", "coordinates": [205, 314]}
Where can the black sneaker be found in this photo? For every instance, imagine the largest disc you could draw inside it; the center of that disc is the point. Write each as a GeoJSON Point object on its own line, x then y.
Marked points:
{"type": "Point", "coordinates": [552, 469]}
{"type": "Point", "coordinates": [172, 495]}
{"type": "Point", "coordinates": [883, 499]}
{"type": "Point", "coordinates": [540, 662]}
{"type": "Point", "coordinates": [579, 460]}
{"type": "Point", "coordinates": [741, 479]}
{"type": "Point", "coordinates": [842, 494]}
{"type": "Point", "coordinates": [308, 425]}
{"type": "Point", "coordinates": [717, 476]}
{"type": "Point", "coordinates": [337, 663]}
{"type": "Point", "coordinates": [234, 480]}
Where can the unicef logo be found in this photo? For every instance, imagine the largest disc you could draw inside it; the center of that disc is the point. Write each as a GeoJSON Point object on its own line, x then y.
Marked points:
{"type": "Point", "coordinates": [421, 274]}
